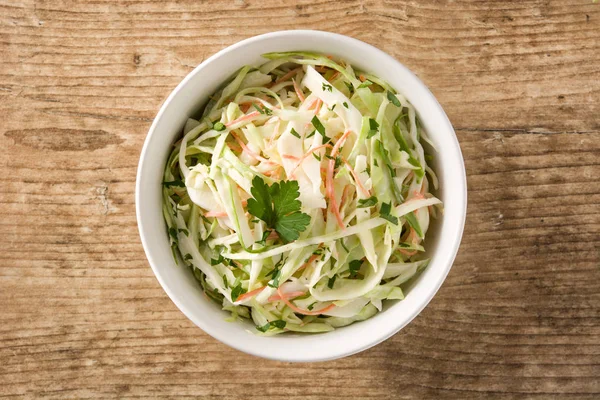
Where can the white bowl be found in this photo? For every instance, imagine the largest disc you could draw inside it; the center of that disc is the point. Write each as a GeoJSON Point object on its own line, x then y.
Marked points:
{"type": "Point", "coordinates": [442, 242]}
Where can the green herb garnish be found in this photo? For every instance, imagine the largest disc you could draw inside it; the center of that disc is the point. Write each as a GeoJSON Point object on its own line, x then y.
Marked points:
{"type": "Point", "coordinates": [384, 213]}
{"type": "Point", "coordinates": [278, 206]}
{"type": "Point", "coordinates": [366, 203]}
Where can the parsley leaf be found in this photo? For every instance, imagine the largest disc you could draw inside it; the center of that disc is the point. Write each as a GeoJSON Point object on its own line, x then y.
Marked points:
{"type": "Point", "coordinates": [327, 87]}
{"type": "Point", "coordinates": [289, 226]}
{"type": "Point", "coordinates": [373, 128]}
{"type": "Point", "coordinates": [260, 110]}
{"type": "Point", "coordinates": [331, 281]}
{"type": "Point", "coordinates": [278, 323]}
{"type": "Point", "coordinates": [350, 87]}
{"type": "Point", "coordinates": [261, 205]}
{"type": "Point", "coordinates": [345, 104]}
{"type": "Point", "coordinates": [319, 127]}
{"type": "Point", "coordinates": [264, 328]}
{"type": "Point", "coordinates": [294, 133]}
{"type": "Point", "coordinates": [354, 266]}
{"type": "Point", "coordinates": [384, 212]}
{"type": "Point", "coordinates": [217, 261]}
{"type": "Point", "coordinates": [219, 126]}
{"type": "Point", "coordinates": [332, 107]}
{"type": "Point", "coordinates": [274, 283]}
{"type": "Point", "coordinates": [237, 292]}
{"type": "Point", "coordinates": [263, 240]}
{"type": "Point", "coordinates": [173, 234]}
{"type": "Point", "coordinates": [366, 203]}
{"type": "Point", "coordinates": [413, 161]}
{"type": "Point", "coordinates": [278, 206]}
{"type": "Point", "coordinates": [392, 97]}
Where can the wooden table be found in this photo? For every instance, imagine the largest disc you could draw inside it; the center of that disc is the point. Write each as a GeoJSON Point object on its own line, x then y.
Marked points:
{"type": "Point", "coordinates": [83, 316]}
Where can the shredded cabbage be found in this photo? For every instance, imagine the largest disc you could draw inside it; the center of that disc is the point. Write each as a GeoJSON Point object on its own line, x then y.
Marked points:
{"type": "Point", "coordinates": [354, 148]}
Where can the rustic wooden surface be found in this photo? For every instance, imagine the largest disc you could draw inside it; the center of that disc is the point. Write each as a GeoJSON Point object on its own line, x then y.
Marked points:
{"type": "Point", "coordinates": [81, 314]}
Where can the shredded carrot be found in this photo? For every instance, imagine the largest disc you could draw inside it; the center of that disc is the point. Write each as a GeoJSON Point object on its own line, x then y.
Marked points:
{"type": "Point", "coordinates": [340, 143]}
{"type": "Point", "coordinates": [286, 76]}
{"type": "Point", "coordinates": [300, 310]}
{"type": "Point", "coordinates": [290, 157]}
{"type": "Point", "coordinates": [234, 147]}
{"type": "Point", "coordinates": [345, 195]}
{"type": "Point", "coordinates": [308, 262]}
{"type": "Point", "coordinates": [307, 154]}
{"type": "Point", "coordinates": [243, 118]}
{"type": "Point", "coordinates": [312, 104]}
{"type": "Point", "coordinates": [298, 91]}
{"type": "Point", "coordinates": [250, 294]}
{"type": "Point", "coordinates": [318, 105]}
{"type": "Point", "coordinates": [356, 178]}
{"type": "Point", "coordinates": [289, 295]}
{"type": "Point", "coordinates": [215, 214]}
{"type": "Point", "coordinates": [407, 252]}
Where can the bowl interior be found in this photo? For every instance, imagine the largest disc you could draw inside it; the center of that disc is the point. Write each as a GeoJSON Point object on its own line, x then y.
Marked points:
{"type": "Point", "coordinates": [442, 239]}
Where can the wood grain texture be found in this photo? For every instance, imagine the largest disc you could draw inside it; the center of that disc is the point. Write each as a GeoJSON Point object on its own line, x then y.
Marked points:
{"type": "Point", "coordinates": [81, 314]}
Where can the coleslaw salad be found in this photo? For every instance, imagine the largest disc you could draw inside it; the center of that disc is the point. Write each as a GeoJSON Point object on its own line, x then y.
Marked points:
{"type": "Point", "coordinates": [301, 196]}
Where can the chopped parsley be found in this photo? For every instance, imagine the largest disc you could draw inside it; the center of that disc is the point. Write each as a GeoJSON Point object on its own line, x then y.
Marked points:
{"type": "Point", "coordinates": [263, 110]}
{"type": "Point", "coordinates": [365, 84]}
{"type": "Point", "coordinates": [331, 282]}
{"type": "Point", "coordinates": [345, 104]}
{"type": "Point", "coordinates": [185, 232]}
{"type": "Point", "coordinates": [392, 97]}
{"type": "Point", "coordinates": [279, 324]}
{"type": "Point", "coordinates": [350, 87]}
{"type": "Point", "coordinates": [373, 128]}
{"type": "Point", "coordinates": [354, 267]}
{"type": "Point", "coordinates": [294, 133]}
{"type": "Point", "coordinates": [173, 234]}
{"type": "Point", "coordinates": [318, 125]}
{"type": "Point", "coordinates": [411, 218]}
{"type": "Point", "coordinates": [237, 292]}
{"type": "Point", "coordinates": [327, 87]}
{"type": "Point", "coordinates": [384, 213]}
{"type": "Point", "coordinates": [263, 240]}
{"type": "Point", "coordinates": [366, 203]}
